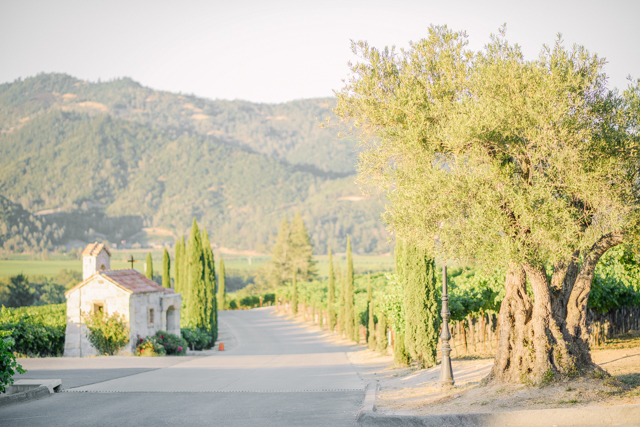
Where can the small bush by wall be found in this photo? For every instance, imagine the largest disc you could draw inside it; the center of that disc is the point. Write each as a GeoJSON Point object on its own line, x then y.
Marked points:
{"type": "Point", "coordinates": [107, 334]}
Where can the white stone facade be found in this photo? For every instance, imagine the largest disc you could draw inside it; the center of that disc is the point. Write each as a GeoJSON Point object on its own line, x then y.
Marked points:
{"type": "Point", "coordinates": [146, 306]}
{"type": "Point", "coordinates": [95, 258]}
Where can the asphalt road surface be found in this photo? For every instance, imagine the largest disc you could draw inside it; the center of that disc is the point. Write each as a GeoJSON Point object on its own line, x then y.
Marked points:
{"type": "Point", "coordinates": [273, 373]}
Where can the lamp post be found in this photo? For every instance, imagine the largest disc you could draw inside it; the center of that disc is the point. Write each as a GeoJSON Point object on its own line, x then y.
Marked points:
{"type": "Point", "coordinates": [446, 373]}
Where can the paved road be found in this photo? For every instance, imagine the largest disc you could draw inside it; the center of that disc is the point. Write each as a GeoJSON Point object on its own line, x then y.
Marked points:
{"type": "Point", "coordinates": [274, 373]}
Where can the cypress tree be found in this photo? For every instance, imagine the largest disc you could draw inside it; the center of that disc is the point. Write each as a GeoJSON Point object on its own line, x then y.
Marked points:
{"type": "Point", "coordinates": [302, 249]}
{"type": "Point", "coordinates": [281, 267]}
{"type": "Point", "coordinates": [399, 255]}
{"type": "Point", "coordinates": [222, 291]}
{"type": "Point", "coordinates": [148, 268]}
{"type": "Point", "coordinates": [371, 330]}
{"type": "Point", "coordinates": [166, 269]}
{"type": "Point", "coordinates": [341, 324]}
{"type": "Point", "coordinates": [294, 298]}
{"type": "Point", "coordinates": [381, 334]}
{"type": "Point", "coordinates": [421, 306]}
{"type": "Point", "coordinates": [372, 327]}
{"type": "Point", "coordinates": [210, 285]}
{"type": "Point", "coordinates": [400, 355]}
{"type": "Point", "coordinates": [197, 298]}
{"type": "Point", "coordinates": [185, 272]}
{"type": "Point", "coordinates": [331, 311]}
{"type": "Point", "coordinates": [177, 286]}
{"type": "Point", "coordinates": [349, 310]}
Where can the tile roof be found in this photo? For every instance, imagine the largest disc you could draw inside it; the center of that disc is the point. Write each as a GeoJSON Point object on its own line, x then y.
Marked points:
{"type": "Point", "coordinates": [93, 249]}
{"type": "Point", "coordinates": [133, 280]}
{"type": "Point", "coordinates": [129, 280]}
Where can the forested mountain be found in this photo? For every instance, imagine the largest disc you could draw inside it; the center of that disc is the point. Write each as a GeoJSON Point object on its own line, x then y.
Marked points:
{"type": "Point", "coordinates": [20, 231]}
{"type": "Point", "coordinates": [122, 155]}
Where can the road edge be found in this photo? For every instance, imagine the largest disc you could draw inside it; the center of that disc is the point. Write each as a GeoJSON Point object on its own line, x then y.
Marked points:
{"type": "Point", "coordinates": [620, 414]}
{"type": "Point", "coordinates": [33, 394]}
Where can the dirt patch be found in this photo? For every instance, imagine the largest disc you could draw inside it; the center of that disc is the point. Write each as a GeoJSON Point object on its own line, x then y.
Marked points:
{"type": "Point", "coordinates": [412, 391]}
{"type": "Point", "coordinates": [408, 391]}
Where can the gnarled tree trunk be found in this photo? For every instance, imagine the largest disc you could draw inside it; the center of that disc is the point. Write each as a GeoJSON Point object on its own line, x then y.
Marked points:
{"type": "Point", "coordinates": [548, 336]}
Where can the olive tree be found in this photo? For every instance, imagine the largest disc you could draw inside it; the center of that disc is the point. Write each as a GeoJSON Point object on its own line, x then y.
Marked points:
{"type": "Point", "coordinates": [528, 165]}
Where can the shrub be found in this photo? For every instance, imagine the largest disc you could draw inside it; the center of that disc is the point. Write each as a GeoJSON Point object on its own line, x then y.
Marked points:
{"type": "Point", "coordinates": [36, 331]}
{"type": "Point", "coordinates": [150, 346]}
{"type": "Point", "coordinates": [249, 301]}
{"type": "Point", "coordinates": [233, 305]}
{"type": "Point", "coordinates": [269, 298]}
{"type": "Point", "coordinates": [107, 334]}
{"type": "Point", "coordinates": [172, 344]}
{"type": "Point", "coordinates": [8, 364]}
{"type": "Point", "coordinates": [161, 344]}
{"type": "Point", "coordinates": [197, 339]}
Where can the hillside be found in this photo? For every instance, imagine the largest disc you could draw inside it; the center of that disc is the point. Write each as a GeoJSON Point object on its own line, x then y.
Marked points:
{"type": "Point", "coordinates": [288, 132]}
{"type": "Point", "coordinates": [20, 231]}
{"type": "Point", "coordinates": [110, 158]}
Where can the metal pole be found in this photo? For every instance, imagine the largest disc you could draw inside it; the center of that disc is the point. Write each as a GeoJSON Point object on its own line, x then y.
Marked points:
{"type": "Point", "coordinates": [446, 373]}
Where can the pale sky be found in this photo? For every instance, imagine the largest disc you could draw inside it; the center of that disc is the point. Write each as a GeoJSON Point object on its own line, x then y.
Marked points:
{"type": "Point", "coordinates": [277, 51]}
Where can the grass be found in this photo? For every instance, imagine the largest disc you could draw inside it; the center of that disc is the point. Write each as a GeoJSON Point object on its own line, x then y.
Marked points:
{"type": "Point", "coordinates": [35, 267]}
{"type": "Point", "coordinates": [45, 268]}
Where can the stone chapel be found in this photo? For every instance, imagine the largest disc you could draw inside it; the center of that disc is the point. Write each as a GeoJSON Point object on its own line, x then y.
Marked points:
{"type": "Point", "coordinates": [145, 305]}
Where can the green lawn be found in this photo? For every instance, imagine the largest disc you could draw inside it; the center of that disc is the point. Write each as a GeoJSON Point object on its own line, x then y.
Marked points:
{"type": "Point", "coordinates": [45, 268]}
{"type": "Point", "coordinates": [32, 267]}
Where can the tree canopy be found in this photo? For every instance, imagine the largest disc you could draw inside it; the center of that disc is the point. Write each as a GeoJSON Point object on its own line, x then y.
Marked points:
{"type": "Point", "coordinates": [291, 254]}
{"type": "Point", "coordinates": [518, 164]}
{"type": "Point", "coordinates": [499, 157]}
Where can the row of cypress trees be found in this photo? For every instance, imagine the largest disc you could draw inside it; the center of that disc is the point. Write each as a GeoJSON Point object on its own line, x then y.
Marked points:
{"type": "Point", "coordinates": [345, 320]}
{"type": "Point", "coordinates": [195, 279]}
{"type": "Point", "coordinates": [415, 340]}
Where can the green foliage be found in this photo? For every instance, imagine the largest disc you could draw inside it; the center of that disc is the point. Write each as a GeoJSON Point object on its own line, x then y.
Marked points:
{"type": "Point", "coordinates": [36, 331]}
{"type": "Point", "coordinates": [474, 292]}
{"type": "Point", "coordinates": [40, 290]}
{"type": "Point", "coordinates": [302, 250]}
{"type": "Point", "coordinates": [150, 347]}
{"type": "Point", "coordinates": [178, 267]}
{"type": "Point", "coordinates": [331, 299]}
{"type": "Point", "coordinates": [211, 303]}
{"type": "Point", "coordinates": [196, 293]}
{"type": "Point", "coordinates": [161, 344]}
{"type": "Point", "coordinates": [371, 327]}
{"type": "Point", "coordinates": [400, 355]}
{"type": "Point", "coordinates": [134, 161]}
{"type": "Point", "coordinates": [350, 320]}
{"type": "Point", "coordinates": [233, 305]}
{"type": "Point", "coordinates": [19, 292]}
{"type": "Point", "coordinates": [392, 304]}
{"type": "Point", "coordinates": [616, 282]}
{"type": "Point", "coordinates": [8, 365]}
{"type": "Point", "coordinates": [197, 338]}
{"type": "Point", "coordinates": [166, 269]}
{"type": "Point", "coordinates": [421, 306]}
{"type": "Point", "coordinates": [499, 158]}
{"type": "Point", "coordinates": [294, 293]}
{"type": "Point", "coordinates": [22, 232]}
{"type": "Point", "coordinates": [148, 267]}
{"type": "Point", "coordinates": [341, 306]}
{"type": "Point", "coordinates": [249, 301]}
{"type": "Point", "coordinates": [291, 254]}
{"type": "Point", "coordinates": [107, 334]}
{"type": "Point", "coordinates": [381, 331]}
{"type": "Point", "coordinates": [222, 288]}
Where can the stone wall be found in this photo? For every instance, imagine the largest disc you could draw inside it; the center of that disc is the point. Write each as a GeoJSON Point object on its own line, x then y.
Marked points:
{"type": "Point", "coordinates": [83, 300]}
